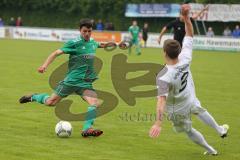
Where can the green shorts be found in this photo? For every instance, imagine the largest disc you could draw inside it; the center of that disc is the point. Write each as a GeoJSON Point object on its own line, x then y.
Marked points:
{"type": "Point", "coordinates": [64, 90]}
{"type": "Point", "coordinates": [135, 41]}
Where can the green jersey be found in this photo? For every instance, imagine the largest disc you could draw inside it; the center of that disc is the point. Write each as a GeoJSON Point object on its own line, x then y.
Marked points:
{"type": "Point", "coordinates": [134, 31]}
{"type": "Point", "coordinates": [81, 60]}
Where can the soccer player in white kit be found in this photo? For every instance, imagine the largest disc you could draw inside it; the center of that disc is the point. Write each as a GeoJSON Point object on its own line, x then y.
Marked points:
{"type": "Point", "coordinates": [176, 92]}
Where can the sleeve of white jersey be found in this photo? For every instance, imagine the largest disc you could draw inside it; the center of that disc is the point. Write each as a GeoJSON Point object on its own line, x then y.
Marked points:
{"type": "Point", "coordinates": [186, 53]}
{"type": "Point", "coordinates": [163, 82]}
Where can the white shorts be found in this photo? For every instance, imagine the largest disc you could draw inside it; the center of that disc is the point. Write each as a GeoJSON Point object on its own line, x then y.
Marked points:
{"type": "Point", "coordinates": [182, 120]}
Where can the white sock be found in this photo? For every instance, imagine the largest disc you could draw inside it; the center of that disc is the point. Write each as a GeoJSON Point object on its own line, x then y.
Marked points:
{"type": "Point", "coordinates": [209, 120]}
{"type": "Point", "coordinates": [198, 138]}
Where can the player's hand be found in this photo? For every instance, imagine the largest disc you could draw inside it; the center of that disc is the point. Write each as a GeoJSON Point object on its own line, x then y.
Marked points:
{"type": "Point", "coordinates": [185, 9]}
{"type": "Point", "coordinates": [42, 69]}
{"type": "Point", "coordinates": [155, 131]}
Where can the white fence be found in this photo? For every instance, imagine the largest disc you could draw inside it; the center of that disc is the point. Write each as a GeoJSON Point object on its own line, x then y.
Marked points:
{"type": "Point", "coordinates": [45, 34]}
{"type": "Point", "coordinates": [200, 42]}
{"type": "Point", "coordinates": [2, 32]}
{"type": "Point", "coordinates": [50, 34]}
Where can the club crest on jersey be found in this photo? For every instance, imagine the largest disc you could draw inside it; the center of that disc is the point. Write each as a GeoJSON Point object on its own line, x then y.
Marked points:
{"type": "Point", "coordinates": [88, 56]}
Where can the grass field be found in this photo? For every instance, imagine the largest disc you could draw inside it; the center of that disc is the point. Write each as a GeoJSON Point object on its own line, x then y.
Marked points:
{"type": "Point", "coordinates": [27, 131]}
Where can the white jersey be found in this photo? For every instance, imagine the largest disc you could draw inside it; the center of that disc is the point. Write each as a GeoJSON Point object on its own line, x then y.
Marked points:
{"type": "Point", "coordinates": [176, 83]}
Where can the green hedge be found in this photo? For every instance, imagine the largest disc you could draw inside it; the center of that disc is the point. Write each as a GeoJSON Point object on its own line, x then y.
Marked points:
{"type": "Point", "coordinates": [67, 13]}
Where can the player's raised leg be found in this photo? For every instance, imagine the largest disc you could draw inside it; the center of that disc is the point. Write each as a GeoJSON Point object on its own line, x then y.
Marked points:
{"type": "Point", "coordinates": [209, 120]}
{"type": "Point", "coordinates": [90, 97]}
{"type": "Point", "coordinates": [42, 98]}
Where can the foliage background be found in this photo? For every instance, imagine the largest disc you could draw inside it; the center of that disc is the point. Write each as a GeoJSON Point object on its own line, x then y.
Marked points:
{"type": "Point", "coordinates": [67, 13]}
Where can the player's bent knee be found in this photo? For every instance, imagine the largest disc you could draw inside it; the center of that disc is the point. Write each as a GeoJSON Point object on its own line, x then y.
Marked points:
{"type": "Point", "coordinates": [94, 103]}
{"type": "Point", "coordinates": [50, 102]}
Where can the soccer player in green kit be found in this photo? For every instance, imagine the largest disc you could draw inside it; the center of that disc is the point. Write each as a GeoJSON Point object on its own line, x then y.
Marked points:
{"type": "Point", "coordinates": [79, 77]}
{"type": "Point", "coordinates": [134, 31]}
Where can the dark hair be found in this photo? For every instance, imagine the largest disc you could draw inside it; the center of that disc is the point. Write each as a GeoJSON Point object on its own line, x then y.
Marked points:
{"type": "Point", "coordinates": [85, 23]}
{"type": "Point", "coordinates": [172, 48]}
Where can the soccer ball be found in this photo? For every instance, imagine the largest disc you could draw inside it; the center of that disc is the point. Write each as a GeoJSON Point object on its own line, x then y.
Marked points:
{"type": "Point", "coordinates": [63, 129]}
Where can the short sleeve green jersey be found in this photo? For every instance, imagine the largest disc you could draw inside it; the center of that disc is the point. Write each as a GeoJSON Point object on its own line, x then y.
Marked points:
{"type": "Point", "coordinates": [134, 31]}
{"type": "Point", "coordinates": [81, 60]}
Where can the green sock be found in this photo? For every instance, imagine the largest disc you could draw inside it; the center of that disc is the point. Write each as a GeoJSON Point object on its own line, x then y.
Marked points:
{"type": "Point", "coordinates": [40, 98]}
{"type": "Point", "coordinates": [91, 115]}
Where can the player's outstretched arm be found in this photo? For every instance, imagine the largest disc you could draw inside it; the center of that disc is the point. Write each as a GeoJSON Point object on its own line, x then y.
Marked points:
{"type": "Point", "coordinates": [49, 60]}
{"type": "Point", "coordinates": [164, 30]}
{"type": "Point", "coordinates": [188, 24]}
{"type": "Point", "coordinates": [199, 13]}
{"type": "Point", "coordinates": [186, 53]}
{"type": "Point", "coordinates": [156, 128]}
